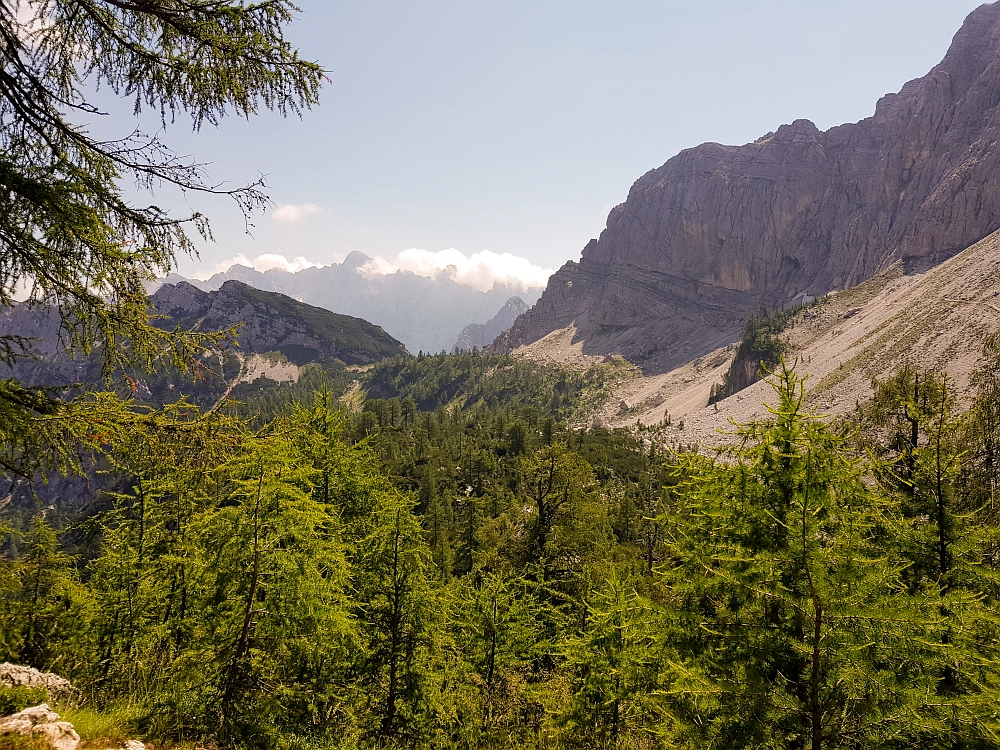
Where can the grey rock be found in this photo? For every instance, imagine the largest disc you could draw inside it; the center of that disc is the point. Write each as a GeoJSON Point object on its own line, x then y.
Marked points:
{"type": "Point", "coordinates": [718, 232]}
{"type": "Point", "coordinates": [42, 721]}
{"type": "Point", "coordinates": [481, 335]}
{"type": "Point", "coordinates": [57, 688]}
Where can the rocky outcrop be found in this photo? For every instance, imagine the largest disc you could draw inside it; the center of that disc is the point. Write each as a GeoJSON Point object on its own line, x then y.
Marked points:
{"type": "Point", "coordinates": [719, 232]}
{"type": "Point", "coordinates": [41, 721]}
{"type": "Point", "coordinates": [481, 335]}
{"type": "Point", "coordinates": [57, 688]}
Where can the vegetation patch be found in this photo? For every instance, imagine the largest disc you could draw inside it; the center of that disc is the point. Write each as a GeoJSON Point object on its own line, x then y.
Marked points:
{"type": "Point", "coordinates": [760, 349]}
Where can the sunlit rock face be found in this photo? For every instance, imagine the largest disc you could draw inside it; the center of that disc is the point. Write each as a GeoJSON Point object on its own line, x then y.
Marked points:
{"type": "Point", "coordinates": [719, 232]}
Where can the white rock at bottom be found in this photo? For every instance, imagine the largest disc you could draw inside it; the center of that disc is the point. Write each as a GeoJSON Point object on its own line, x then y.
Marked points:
{"type": "Point", "coordinates": [44, 722]}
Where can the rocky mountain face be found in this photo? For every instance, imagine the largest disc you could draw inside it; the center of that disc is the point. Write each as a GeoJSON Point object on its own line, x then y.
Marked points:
{"type": "Point", "coordinates": [719, 232]}
{"type": "Point", "coordinates": [481, 335]}
{"type": "Point", "coordinates": [268, 322]}
{"type": "Point", "coordinates": [274, 322]}
{"type": "Point", "coordinates": [425, 313]}
{"type": "Point", "coordinates": [935, 319]}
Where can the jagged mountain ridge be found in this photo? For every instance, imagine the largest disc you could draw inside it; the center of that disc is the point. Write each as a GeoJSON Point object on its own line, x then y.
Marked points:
{"type": "Point", "coordinates": [481, 335]}
{"type": "Point", "coordinates": [426, 313]}
{"type": "Point", "coordinates": [719, 232]}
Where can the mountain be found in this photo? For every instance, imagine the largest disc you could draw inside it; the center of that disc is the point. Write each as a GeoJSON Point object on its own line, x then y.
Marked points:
{"type": "Point", "coordinates": [481, 335]}
{"type": "Point", "coordinates": [268, 323]}
{"type": "Point", "coordinates": [935, 318]}
{"type": "Point", "coordinates": [719, 232]}
{"type": "Point", "coordinates": [425, 313]}
{"type": "Point", "coordinates": [274, 322]}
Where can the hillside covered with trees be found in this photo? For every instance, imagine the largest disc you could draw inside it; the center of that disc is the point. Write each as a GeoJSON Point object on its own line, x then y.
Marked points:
{"type": "Point", "coordinates": [432, 551]}
{"type": "Point", "coordinates": [475, 572]}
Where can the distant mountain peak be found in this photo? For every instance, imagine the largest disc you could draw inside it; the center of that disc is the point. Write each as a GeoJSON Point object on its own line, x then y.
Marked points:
{"type": "Point", "coordinates": [355, 259]}
{"type": "Point", "coordinates": [425, 313]}
{"type": "Point", "coordinates": [481, 335]}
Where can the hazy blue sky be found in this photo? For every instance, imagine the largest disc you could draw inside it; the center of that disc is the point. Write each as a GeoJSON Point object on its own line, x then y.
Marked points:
{"type": "Point", "coordinates": [515, 126]}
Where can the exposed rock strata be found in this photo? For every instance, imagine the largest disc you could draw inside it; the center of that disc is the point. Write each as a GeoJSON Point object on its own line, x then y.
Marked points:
{"type": "Point", "coordinates": [719, 232]}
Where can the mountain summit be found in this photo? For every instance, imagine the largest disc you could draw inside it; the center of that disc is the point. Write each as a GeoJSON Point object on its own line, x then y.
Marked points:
{"type": "Point", "coordinates": [719, 232]}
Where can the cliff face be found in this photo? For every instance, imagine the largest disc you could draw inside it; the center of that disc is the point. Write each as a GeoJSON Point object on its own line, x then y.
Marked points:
{"type": "Point", "coordinates": [718, 232]}
{"type": "Point", "coordinates": [481, 335]}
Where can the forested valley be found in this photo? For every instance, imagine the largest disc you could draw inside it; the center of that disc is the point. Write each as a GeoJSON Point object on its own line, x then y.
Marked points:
{"type": "Point", "coordinates": [433, 553]}
{"type": "Point", "coordinates": [445, 551]}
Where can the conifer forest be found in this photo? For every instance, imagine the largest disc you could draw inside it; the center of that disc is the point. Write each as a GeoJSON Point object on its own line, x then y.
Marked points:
{"type": "Point", "coordinates": [453, 566]}
{"type": "Point", "coordinates": [439, 551]}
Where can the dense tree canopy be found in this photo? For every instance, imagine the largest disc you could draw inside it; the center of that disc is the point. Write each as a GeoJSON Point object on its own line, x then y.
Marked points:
{"type": "Point", "coordinates": [435, 553]}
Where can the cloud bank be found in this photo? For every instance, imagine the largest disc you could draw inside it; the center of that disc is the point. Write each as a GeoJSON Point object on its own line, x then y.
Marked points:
{"type": "Point", "coordinates": [261, 263]}
{"type": "Point", "coordinates": [479, 270]}
{"type": "Point", "coordinates": [292, 214]}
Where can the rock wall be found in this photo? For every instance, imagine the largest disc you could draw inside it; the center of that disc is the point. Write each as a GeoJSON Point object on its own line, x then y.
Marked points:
{"type": "Point", "coordinates": [719, 232]}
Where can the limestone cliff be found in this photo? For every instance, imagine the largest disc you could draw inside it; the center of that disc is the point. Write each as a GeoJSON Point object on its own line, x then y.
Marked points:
{"type": "Point", "coordinates": [719, 232]}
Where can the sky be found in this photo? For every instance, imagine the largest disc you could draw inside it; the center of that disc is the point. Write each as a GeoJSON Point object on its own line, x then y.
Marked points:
{"type": "Point", "coordinates": [497, 136]}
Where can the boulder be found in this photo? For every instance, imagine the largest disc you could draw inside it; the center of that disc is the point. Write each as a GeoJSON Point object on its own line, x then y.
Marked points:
{"type": "Point", "coordinates": [59, 689]}
{"type": "Point", "coordinates": [42, 721]}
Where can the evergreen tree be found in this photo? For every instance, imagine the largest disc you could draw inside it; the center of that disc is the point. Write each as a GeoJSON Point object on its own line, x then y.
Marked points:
{"type": "Point", "coordinates": [45, 611]}
{"type": "Point", "coordinates": [394, 606]}
{"type": "Point", "coordinates": [501, 635]}
{"type": "Point", "coordinates": [70, 236]}
{"type": "Point", "coordinates": [793, 627]}
{"type": "Point", "coordinates": [942, 480]}
{"type": "Point", "coordinates": [616, 666]}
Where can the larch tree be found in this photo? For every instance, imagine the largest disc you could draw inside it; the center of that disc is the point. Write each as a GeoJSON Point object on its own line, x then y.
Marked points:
{"type": "Point", "coordinates": [71, 238]}
{"type": "Point", "coordinates": [792, 624]}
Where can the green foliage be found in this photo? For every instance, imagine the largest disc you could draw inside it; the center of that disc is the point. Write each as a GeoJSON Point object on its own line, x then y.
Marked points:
{"type": "Point", "coordinates": [21, 742]}
{"type": "Point", "coordinates": [43, 604]}
{"type": "Point", "coordinates": [430, 570]}
{"type": "Point", "coordinates": [616, 663]}
{"type": "Point", "coordinates": [70, 236]}
{"type": "Point", "coordinates": [760, 349]}
{"type": "Point", "coordinates": [470, 379]}
{"type": "Point", "coordinates": [19, 697]}
{"type": "Point", "coordinates": [114, 724]}
{"type": "Point", "coordinates": [789, 590]}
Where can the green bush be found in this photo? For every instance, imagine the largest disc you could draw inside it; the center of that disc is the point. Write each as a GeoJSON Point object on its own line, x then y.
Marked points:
{"type": "Point", "coordinates": [14, 699]}
{"type": "Point", "coordinates": [20, 742]}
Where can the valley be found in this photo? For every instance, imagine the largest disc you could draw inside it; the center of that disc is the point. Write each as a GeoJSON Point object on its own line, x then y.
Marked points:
{"type": "Point", "coordinates": [731, 480]}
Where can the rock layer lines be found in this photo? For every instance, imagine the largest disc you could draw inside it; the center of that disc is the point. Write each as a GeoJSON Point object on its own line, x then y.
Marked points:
{"type": "Point", "coordinates": [719, 232]}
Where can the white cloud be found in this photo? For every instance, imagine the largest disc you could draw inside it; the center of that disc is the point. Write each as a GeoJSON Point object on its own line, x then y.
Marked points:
{"type": "Point", "coordinates": [261, 263]}
{"type": "Point", "coordinates": [289, 213]}
{"type": "Point", "coordinates": [479, 270]}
